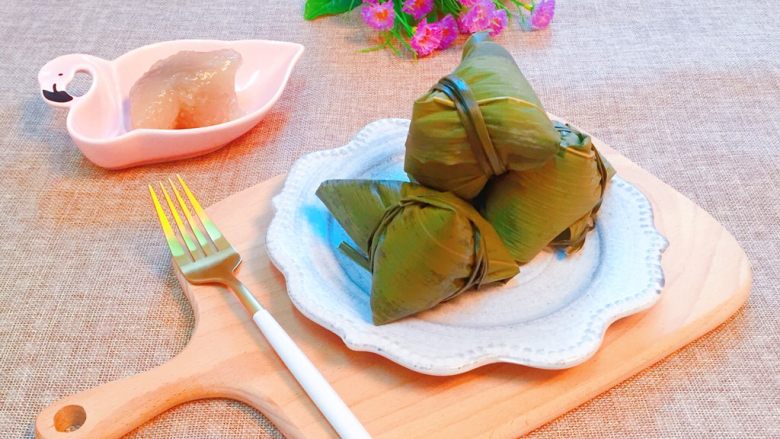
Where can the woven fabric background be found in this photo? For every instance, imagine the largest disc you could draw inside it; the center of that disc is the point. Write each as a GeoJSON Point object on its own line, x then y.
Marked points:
{"type": "Point", "coordinates": [688, 90]}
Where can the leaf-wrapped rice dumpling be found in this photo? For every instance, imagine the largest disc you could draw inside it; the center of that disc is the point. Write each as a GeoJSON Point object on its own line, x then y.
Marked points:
{"type": "Point", "coordinates": [482, 120]}
{"type": "Point", "coordinates": [552, 205]}
{"type": "Point", "coordinates": [422, 246]}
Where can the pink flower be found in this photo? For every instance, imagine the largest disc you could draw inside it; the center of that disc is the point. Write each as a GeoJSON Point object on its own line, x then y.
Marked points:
{"type": "Point", "coordinates": [426, 38]}
{"type": "Point", "coordinates": [498, 22]}
{"type": "Point", "coordinates": [468, 3]}
{"type": "Point", "coordinates": [462, 27]}
{"type": "Point", "coordinates": [449, 31]}
{"type": "Point", "coordinates": [371, 2]}
{"type": "Point", "coordinates": [417, 8]}
{"type": "Point", "coordinates": [483, 15]}
{"type": "Point", "coordinates": [380, 16]}
{"type": "Point", "coordinates": [542, 14]}
{"type": "Point", "coordinates": [478, 17]}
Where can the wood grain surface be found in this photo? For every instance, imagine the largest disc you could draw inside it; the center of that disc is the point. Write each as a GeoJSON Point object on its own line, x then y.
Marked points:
{"type": "Point", "coordinates": [708, 278]}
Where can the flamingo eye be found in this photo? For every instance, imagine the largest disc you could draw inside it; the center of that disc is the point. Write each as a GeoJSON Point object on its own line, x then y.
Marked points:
{"type": "Point", "coordinates": [59, 74]}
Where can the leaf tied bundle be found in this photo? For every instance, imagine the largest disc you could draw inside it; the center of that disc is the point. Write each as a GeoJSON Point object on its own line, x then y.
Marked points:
{"type": "Point", "coordinates": [422, 246]}
{"type": "Point", "coordinates": [482, 120]}
{"type": "Point", "coordinates": [555, 204]}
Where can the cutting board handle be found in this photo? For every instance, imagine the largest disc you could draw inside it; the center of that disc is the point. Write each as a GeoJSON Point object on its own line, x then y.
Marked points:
{"type": "Point", "coordinates": [116, 408]}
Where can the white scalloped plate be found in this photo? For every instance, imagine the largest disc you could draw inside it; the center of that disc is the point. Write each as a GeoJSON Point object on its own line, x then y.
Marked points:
{"type": "Point", "coordinates": [553, 315]}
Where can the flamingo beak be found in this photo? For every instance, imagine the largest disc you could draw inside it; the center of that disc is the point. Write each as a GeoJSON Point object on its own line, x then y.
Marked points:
{"type": "Point", "coordinates": [56, 95]}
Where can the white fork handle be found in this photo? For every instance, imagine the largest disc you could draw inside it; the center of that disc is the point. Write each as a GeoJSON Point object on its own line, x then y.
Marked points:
{"type": "Point", "coordinates": [319, 390]}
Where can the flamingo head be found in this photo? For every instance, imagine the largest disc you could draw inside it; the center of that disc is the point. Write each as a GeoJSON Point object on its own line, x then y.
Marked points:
{"type": "Point", "coordinates": [55, 76]}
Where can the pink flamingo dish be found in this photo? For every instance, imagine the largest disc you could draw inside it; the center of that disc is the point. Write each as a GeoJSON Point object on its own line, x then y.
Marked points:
{"type": "Point", "coordinates": [99, 123]}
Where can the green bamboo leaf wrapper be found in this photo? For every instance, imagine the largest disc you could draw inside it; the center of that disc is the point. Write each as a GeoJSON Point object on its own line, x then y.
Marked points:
{"type": "Point", "coordinates": [552, 205]}
{"type": "Point", "coordinates": [425, 247]}
{"type": "Point", "coordinates": [439, 152]}
{"type": "Point", "coordinates": [359, 205]}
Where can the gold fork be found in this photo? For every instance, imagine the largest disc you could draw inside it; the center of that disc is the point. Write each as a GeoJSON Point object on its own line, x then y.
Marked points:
{"type": "Point", "coordinates": [213, 260]}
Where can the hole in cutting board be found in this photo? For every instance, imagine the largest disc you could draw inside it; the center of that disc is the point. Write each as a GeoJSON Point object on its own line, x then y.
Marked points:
{"type": "Point", "coordinates": [70, 418]}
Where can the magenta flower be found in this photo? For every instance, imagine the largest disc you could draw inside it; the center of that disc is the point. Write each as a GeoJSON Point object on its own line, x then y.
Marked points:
{"type": "Point", "coordinates": [462, 27]}
{"type": "Point", "coordinates": [380, 16]}
{"type": "Point", "coordinates": [498, 22]}
{"type": "Point", "coordinates": [542, 14]}
{"type": "Point", "coordinates": [468, 3]}
{"type": "Point", "coordinates": [426, 38]}
{"type": "Point", "coordinates": [417, 8]}
{"type": "Point", "coordinates": [478, 17]}
{"type": "Point", "coordinates": [483, 15]}
{"type": "Point", "coordinates": [449, 31]}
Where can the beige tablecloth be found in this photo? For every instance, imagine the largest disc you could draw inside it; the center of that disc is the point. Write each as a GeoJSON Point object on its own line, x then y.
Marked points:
{"type": "Point", "coordinates": [689, 90]}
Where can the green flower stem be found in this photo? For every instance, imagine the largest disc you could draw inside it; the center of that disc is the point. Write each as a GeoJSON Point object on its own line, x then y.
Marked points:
{"type": "Point", "coordinates": [448, 7]}
{"type": "Point", "coordinates": [383, 45]}
{"type": "Point", "coordinates": [401, 39]}
{"type": "Point", "coordinates": [372, 48]}
{"type": "Point", "coordinates": [402, 18]}
{"type": "Point", "coordinates": [392, 47]}
{"type": "Point", "coordinates": [456, 7]}
{"type": "Point", "coordinates": [500, 5]}
{"type": "Point", "coordinates": [520, 4]}
{"type": "Point", "coordinates": [389, 42]}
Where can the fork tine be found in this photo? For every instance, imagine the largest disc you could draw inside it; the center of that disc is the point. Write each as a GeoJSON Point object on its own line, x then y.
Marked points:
{"type": "Point", "coordinates": [202, 240]}
{"type": "Point", "coordinates": [211, 228]}
{"type": "Point", "coordinates": [194, 249]}
{"type": "Point", "coordinates": [180, 256]}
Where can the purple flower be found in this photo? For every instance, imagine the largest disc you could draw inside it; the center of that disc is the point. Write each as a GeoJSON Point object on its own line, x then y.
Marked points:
{"type": "Point", "coordinates": [483, 15]}
{"type": "Point", "coordinates": [478, 17]}
{"type": "Point", "coordinates": [542, 14]}
{"type": "Point", "coordinates": [498, 22]}
{"type": "Point", "coordinates": [426, 38]}
{"type": "Point", "coordinates": [462, 27]}
{"type": "Point", "coordinates": [449, 31]}
{"type": "Point", "coordinates": [468, 3]}
{"type": "Point", "coordinates": [417, 8]}
{"type": "Point", "coordinates": [380, 16]}
{"type": "Point", "coordinates": [371, 2]}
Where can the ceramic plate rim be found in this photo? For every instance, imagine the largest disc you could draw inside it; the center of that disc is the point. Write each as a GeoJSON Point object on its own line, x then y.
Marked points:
{"type": "Point", "coordinates": [295, 278]}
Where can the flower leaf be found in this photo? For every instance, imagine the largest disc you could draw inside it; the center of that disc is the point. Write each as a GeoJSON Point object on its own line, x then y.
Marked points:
{"type": "Point", "coordinates": [318, 8]}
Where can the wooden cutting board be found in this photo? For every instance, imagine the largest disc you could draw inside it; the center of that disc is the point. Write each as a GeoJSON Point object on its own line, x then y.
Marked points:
{"type": "Point", "coordinates": [708, 278]}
